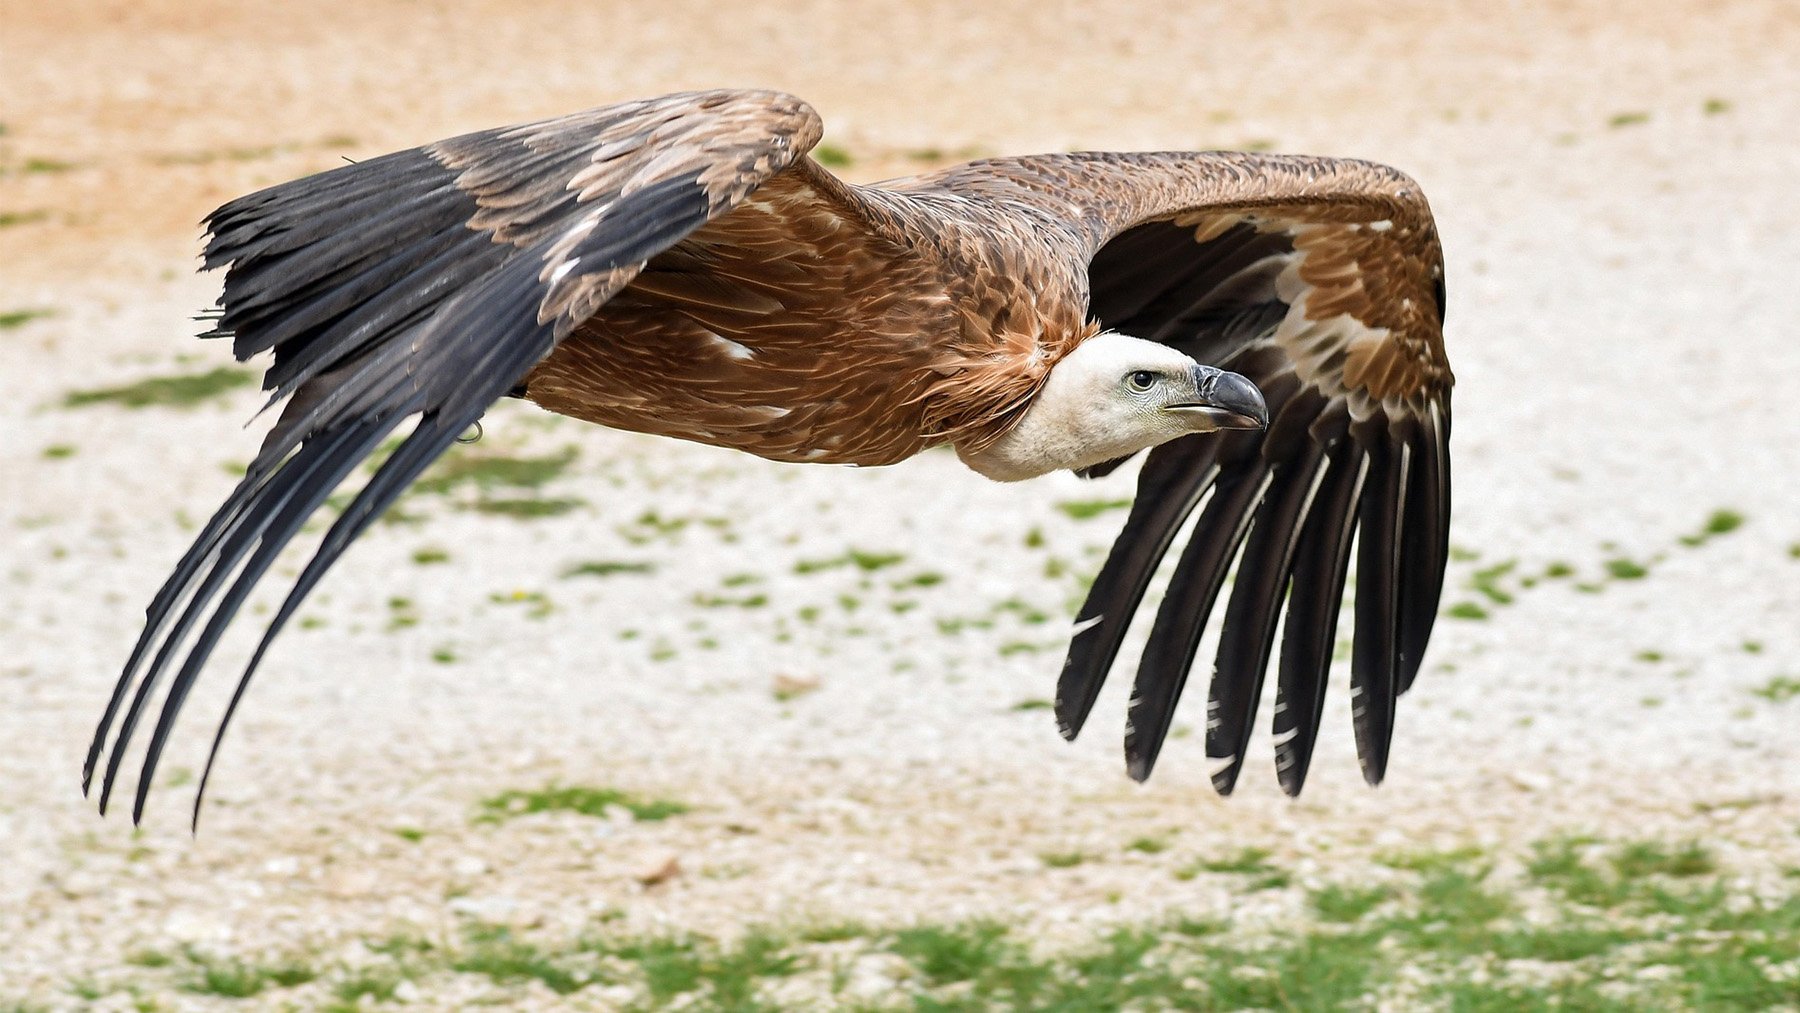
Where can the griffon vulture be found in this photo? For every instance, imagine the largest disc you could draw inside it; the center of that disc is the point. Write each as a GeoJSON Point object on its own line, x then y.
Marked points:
{"type": "Point", "coordinates": [1268, 326]}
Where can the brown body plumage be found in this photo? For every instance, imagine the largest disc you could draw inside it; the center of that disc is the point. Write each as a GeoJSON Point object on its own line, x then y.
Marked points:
{"type": "Point", "coordinates": [819, 322]}
{"type": "Point", "coordinates": [678, 266]}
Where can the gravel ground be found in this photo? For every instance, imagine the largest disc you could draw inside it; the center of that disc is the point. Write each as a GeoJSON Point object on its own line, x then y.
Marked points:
{"type": "Point", "coordinates": [863, 739]}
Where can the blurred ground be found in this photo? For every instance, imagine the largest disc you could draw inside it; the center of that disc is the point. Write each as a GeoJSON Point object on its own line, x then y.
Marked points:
{"type": "Point", "coordinates": [840, 672]}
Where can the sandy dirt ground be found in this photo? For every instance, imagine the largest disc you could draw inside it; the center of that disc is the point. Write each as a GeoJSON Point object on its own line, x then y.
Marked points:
{"type": "Point", "coordinates": [1616, 195]}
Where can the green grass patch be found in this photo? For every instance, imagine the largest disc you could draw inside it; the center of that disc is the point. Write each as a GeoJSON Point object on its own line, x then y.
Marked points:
{"type": "Point", "coordinates": [493, 471]}
{"type": "Point", "coordinates": [537, 604]}
{"type": "Point", "coordinates": [744, 601]}
{"type": "Point", "coordinates": [1245, 862]}
{"type": "Point", "coordinates": [1562, 943]}
{"type": "Point", "coordinates": [529, 509]}
{"type": "Point", "coordinates": [1779, 689]}
{"type": "Point", "coordinates": [607, 568]}
{"type": "Point", "coordinates": [833, 932]}
{"type": "Point", "coordinates": [832, 155]}
{"type": "Point", "coordinates": [11, 218]}
{"type": "Point", "coordinates": [379, 984]}
{"type": "Point", "coordinates": [1087, 509]}
{"type": "Point", "coordinates": [576, 799]}
{"type": "Point", "coordinates": [1720, 522]}
{"type": "Point", "coordinates": [1628, 876]}
{"type": "Point", "coordinates": [1460, 897]}
{"type": "Point", "coordinates": [231, 978]}
{"type": "Point", "coordinates": [1723, 520]}
{"type": "Point", "coordinates": [58, 451]}
{"type": "Point", "coordinates": [495, 952]}
{"type": "Point", "coordinates": [402, 614]}
{"type": "Point", "coordinates": [1563, 864]}
{"type": "Point", "coordinates": [1626, 569]}
{"type": "Point", "coordinates": [1628, 119]}
{"type": "Point", "coordinates": [1062, 859]}
{"type": "Point", "coordinates": [1638, 859]}
{"type": "Point", "coordinates": [954, 953]}
{"type": "Point", "coordinates": [723, 977]}
{"type": "Point", "coordinates": [671, 965]}
{"type": "Point", "coordinates": [1342, 903]}
{"type": "Point", "coordinates": [1466, 610]}
{"type": "Point", "coordinates": [867, 562]}
{"type": "Point", "coordinates": [651, 525]}
{"type": "Point", "coordinates": [1311, 972]}
{"type": "Point", "coordinates": [1486, 581]}
{"type": "Point", "coordinates": [166, 391]}
{"type": "Point", "coordinates": [1430, 861]}
{"type": "Point", "coordinates": [19, 318]}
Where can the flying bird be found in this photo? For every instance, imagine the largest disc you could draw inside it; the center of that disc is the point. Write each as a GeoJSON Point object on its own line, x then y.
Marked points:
{"type": "Point", "coordinates": [1269, 327]}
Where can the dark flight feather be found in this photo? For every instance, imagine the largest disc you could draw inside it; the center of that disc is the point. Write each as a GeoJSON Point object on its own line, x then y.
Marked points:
{"type": "Point", "coordinates": [1169, 488]}
{"type": "Point", "coordinates": [1375, 652]}
{"type": "Point", "coordinates": [383, 297]}
{"type": "Point", "coordinates": [1180, 620]}
{"type": "Point", "coordinates": [1309, 632]}
{"type": "Point", "coordinates": [1248, 631]}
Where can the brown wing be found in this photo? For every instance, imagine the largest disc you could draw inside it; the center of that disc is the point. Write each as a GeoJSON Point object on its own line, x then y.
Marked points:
{"type": "Point", "coordinates": [426, 282]}
{"type": "Point", "coordinates": [802, 326]}
{"type": "Point", "coordinates": [1322, 280]}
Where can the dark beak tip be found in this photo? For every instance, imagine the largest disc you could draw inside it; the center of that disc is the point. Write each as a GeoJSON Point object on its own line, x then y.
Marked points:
{"type": "Point", "coordinates": [1237, 393]}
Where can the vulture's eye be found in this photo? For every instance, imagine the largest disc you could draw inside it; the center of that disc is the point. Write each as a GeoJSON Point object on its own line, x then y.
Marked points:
{"type": "Point", "coordinates": [1143, 379]}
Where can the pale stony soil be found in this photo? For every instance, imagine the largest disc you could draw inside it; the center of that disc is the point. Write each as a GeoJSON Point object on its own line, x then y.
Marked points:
{"type": "Point", "coordinates": [1622, 306]}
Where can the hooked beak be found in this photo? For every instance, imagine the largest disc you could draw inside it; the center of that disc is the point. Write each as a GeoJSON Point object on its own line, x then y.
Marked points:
{"type": "Point", "coordinates": [1223, 401]}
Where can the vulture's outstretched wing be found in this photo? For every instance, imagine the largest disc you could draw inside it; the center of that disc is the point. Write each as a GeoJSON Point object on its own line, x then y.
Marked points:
{"type": "Point", "coordinates": [427, 282]}
{"type": "Point", "coordinates": [1322, 280]}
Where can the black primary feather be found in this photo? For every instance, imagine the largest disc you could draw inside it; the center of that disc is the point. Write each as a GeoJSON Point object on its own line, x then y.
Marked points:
{"type": "Point", "coordinates": [1375, 651]}
{"type": "Point", "coordinates": [382, 302]}
{"type": "Point", "coordinates": [1251, 614]}
{"type": "Point", "coordinates": [1425, 543]}
{"type": "Point", "coordinates": [1309, 632]}
{"type": "Point", "coordinates": [1185, 608]}
{"type": "Point", "coordinates": [1169, 488]}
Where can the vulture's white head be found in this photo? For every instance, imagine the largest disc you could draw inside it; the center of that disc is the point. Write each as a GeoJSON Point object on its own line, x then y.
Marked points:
{"type": "Point", "coordinates": [1116, 395]}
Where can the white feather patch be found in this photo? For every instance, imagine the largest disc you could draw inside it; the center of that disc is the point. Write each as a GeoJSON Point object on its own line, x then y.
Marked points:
{"type": "Point", "coordinates": [562, 270]}
{"type": "Point", "coordinates": [729, 347]}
